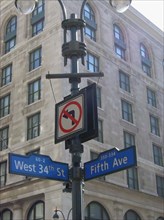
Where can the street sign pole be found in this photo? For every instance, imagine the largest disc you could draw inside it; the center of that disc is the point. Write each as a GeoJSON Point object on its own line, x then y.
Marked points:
{"type": "Point", "coordinates": [73, 24]}
{"type": "Point", "coordinates": [75, 50]}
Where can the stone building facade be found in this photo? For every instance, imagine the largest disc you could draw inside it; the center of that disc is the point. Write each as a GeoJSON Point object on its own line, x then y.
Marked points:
{"type": "Point", "coordinates": [128, 48]}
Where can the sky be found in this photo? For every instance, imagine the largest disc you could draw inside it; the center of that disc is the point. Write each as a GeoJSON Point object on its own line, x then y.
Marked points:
{"type": "Point", "coordinates": [151, 9]}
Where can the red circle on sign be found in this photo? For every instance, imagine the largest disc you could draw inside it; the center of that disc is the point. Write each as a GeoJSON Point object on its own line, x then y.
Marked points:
{"type": "Point", "coordinates": [76, 121]}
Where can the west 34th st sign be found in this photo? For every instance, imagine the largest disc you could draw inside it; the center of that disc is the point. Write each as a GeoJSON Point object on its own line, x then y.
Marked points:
{"type": "Point", "coordinates": [110, 161]}
{"type": "Point", "coordinates": [37, 165]}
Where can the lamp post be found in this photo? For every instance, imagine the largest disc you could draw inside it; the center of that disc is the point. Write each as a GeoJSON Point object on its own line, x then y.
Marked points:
{"type": "Point", "coordinates": [56, 216]}
{"type": "Point", "coordinates": [73, 50]}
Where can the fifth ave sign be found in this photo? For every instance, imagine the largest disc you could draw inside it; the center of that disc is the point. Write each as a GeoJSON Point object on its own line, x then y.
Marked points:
{"type": "Point", "coordinates": [110, 161]}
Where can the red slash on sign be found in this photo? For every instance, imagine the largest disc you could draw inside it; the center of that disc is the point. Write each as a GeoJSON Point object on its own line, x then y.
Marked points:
{"type": "Point", "coordinates": [70, 111]}
{"type": "Point", "coordinates": [70, 115]}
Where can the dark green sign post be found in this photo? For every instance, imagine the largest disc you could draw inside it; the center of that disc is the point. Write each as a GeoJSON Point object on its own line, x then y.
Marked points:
{"type": "Point", "coordinates": [75, 50]}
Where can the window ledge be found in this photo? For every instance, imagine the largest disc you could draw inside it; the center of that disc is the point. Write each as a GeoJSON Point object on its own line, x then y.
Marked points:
{"type": "Point", "coordinates": [158, 167]}
{"type": "Point", "coordinates": [132, 127]}
{"type": "Point", "coordinates": [34, 139]}
{"type": "Point", "coordinates": [154, 110]}
{"type": "Point", "coordinates": [127, 95]}
{"type": "Point", "coordinates": [33, 70]}
{"type": "Point", "coordinates": [6, 88]}
{"type": "Point", "coordinates": [28, 109]}
{"type": "Point", "coordinates": [6, 119]}
{"type": "Point", "coordinates": [154, 136]}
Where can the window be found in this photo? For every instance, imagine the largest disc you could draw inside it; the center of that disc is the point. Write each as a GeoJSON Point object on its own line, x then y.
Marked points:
{"type": "Point", "coordinates": [132, 178]}
{"type": "Point", "coordinates": [100, 131]}
{"type": "Point", "coordinates": [124, 81]}
{"type": "Point", "coordinates": [154, 125]}
{"type": "Point", "coordinates": [119, 44]}
{"type": "Point", "coordinates": [35, 58]}
{"type": "Point", "coordinates": [118, 33]}
{"type": "Point", "coordinates": [39, 8]}
{"type": "Point", "coordinates": [3, 173]}
{"type": "Point", "coordinates": [6, 75]}
{"type": "Point", "coordinates": [4, 138]}
{"type": "Point", "coordinates": [7, 215]}
{"type": "Point", "coordinates": [160, 185]}
{"type": "Point", "coordinates": [119, 52]}
{"type": "Point", "coordinates": [37, 151]}
{"type": "Point", "coordinates": [131, 215]}
{"type": "Point", "coordinates": [37, 27]}
{"type": "Point", "coordinates": [157, 153]}
{"type": "Point", "coordinates": [92, 63]}
{"type": "Point", "coordinates": [4, 106]}
{"type": "Point", "coordinates": [129, 139]}
{"type": "Point", "coordinates": [12, 25]}
{"type": "Point", "coordinates": [95, 211]}
{"type": "Point", "coordinates": [33, 126]}
{"type": "Point", "coordinates": [151, 97]}
{"type": "Point", "coordinates": [145, 60]}
{"type": "Point", "coordinates": [34, 91]}
{"type": "Point", "coordinates": [127, 113]}
{"type": "Point", "coordinates": [90, 32]}
{"type": "Point", "coordinates": [37, 20]}
{"type": "Point", "coordinates": [94, 155]}
{"type": "Point", "coordinates": [10, 37]}
{"type": "Point", "coordinates": [90, 29]}
{"type": "Point", "coordinates": [37, 211]}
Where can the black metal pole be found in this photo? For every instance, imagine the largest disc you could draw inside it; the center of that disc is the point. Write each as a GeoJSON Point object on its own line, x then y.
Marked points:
{"type": "Point", "coordinates": [76, 145]}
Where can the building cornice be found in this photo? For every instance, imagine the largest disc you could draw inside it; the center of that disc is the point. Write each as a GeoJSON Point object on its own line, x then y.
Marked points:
{"type": "Point", "coordinates": [144, 24]}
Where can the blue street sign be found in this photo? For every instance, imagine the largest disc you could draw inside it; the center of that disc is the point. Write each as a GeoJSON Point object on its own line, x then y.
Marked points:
{"type": "Point", "coordinates": [38, 165]}
{"type": "Point", "coordinates": [110, 161]}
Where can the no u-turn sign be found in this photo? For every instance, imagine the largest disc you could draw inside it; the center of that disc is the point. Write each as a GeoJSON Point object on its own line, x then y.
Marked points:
{"type": "Point", "coordinates": [70, 117]}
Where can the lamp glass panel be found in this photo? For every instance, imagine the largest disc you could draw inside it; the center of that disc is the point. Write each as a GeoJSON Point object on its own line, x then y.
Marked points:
{"type": "Point", "coordinates": [25, 6]}
{"type": "Point", "coordinates": [120, 5]}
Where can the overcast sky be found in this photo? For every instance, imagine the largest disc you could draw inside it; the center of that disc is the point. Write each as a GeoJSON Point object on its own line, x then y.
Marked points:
{"type": "Point", "coordinates": [151, 9]}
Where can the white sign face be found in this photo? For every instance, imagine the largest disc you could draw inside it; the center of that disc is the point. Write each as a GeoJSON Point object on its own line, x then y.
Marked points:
{"type": "Point", "coordinates": [70, 116]}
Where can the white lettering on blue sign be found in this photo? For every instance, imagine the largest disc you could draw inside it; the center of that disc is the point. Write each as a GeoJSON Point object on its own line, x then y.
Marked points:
{"type": "Point", "coordinates": [120, 161]}
{"type": "Point", "coordinates": [99, 167]}
{"type": "Point", "coordinates": [38, 166]}
{"type": "Point", "coordinates": [20, 165]}
{"type": "Point", "coordinates": [60, 172]}
{"type": "Point", "coordinates": [109, 162]}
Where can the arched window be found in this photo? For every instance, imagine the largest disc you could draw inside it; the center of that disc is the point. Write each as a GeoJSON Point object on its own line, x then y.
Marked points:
{"type": "Point", "coordinates": [36, 211]}
{"type": "Point", "coordinates": [89, 16]}
{"type": "Point", "coordinates": [95, 211]}
{"type": "Point", "coordinates": [119, 43]}
{"type": "Point", "coordinates": [6, 215]}
{"type": "Point", "coordinates": [37, 20]}
{"type": "Point", "coordinates": [131, 215]}
{"type": "Point", "coordinates": [10, 35]}
{"type": "Point", "coordinates": [145, 60]}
